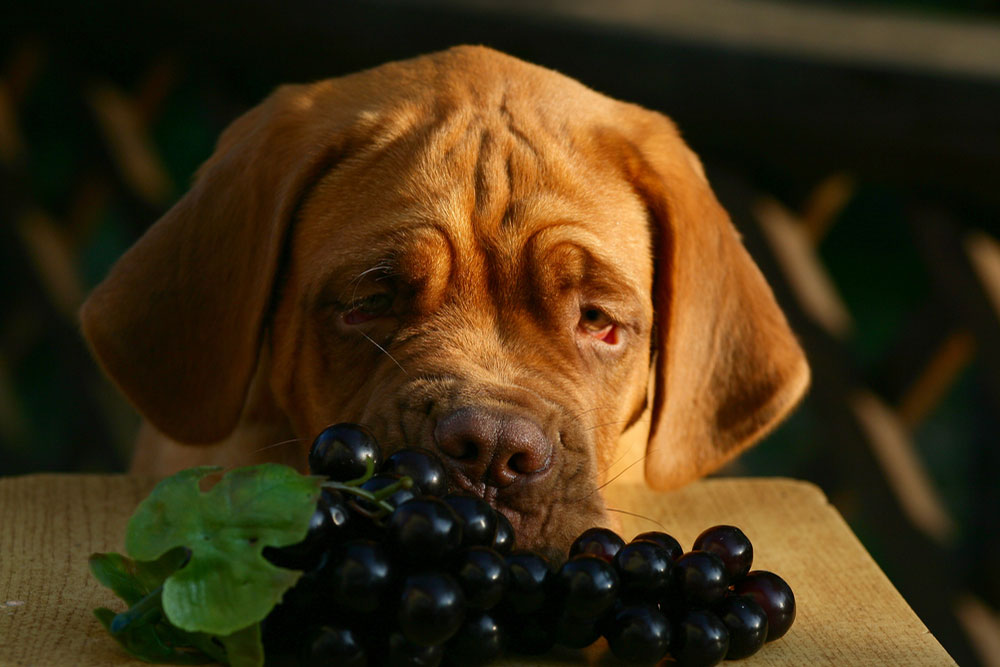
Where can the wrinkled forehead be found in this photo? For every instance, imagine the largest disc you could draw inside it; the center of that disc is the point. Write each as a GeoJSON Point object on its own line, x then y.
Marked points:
{"type": "Point", "coordinates": [481, 178]}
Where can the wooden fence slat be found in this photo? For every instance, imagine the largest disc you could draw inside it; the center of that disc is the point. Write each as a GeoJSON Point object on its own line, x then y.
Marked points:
{"type": "Point", "coordinates": [825, 202]}
{"type": "Point", "coordinates": [794, 249]}
{"type": "Point", "coordinates": [129, 144]}
{"type": "Point", "coordinates": [982, 626]}
{"type": "Point", "coordinates": [11, 142]}
{"type": "Point", "coordinates": [54, 261]}
{"type": "Point", "coordinates": [984, 254]}
{"type": "Point", "coordinates": [930, 386]}
{"type": "Point", "coordinates": [902, 466]}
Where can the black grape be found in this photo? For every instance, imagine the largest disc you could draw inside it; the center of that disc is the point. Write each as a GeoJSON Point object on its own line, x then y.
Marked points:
{"type": "Point", "coordinates": [586, 586]}
{"type": "Point", "coordinates": [746, 623]}
{"type": "Point", "coordinates": [503, 541]}
{"type": "Point", "coordinates": [341, 452]}
{"type": "Point", "coordinates": [600, 542]}
{"type": "Point", "coordinates": [359, 577]}
{"type": "Point", "coordinates": [423, 531]}
{"type": "Point", "coordinates": [638, 634]}
{"type": "Point", "coordinates": [701, 578]}
{"type": "Point", "coordinates": [381, 481]}
{"type": "Point", "coordinates": [330, 644]}
{"type": "Point", "coordinates": [528, 577]}
{"type": "Point", "coordinates": [644, 568]}
{"type": "Point", "coordinates": [729, 544]}
{"type": "Point", "coordinates": [666, 541]}
{"type": "Point", "coordinates": [478, 641]}
{"type": "Point", "coordinates": [774, 596]}
{"type": "Point", "coordinates": [479, 522]}
{"type": "Point", "coordinates": [431, 608]}
{"type": "Point", "coordinates": [699, 639]}
{"type": "Point", "coordinates": [482, 574]}
{"type": "Point", "coordinates": [422, 466]}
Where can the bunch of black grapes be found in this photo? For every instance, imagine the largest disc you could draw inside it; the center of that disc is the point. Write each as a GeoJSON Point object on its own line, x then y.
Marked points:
{"type": "Point", "coordinates": [397, 571]}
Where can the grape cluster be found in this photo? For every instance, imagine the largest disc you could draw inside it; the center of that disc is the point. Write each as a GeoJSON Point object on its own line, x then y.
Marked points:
{"type": "Point", "coordinates": [397, 571]}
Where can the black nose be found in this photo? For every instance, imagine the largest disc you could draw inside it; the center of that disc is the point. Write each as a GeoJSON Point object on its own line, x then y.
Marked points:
{"type": "Point", "coordinates": [494, 447]}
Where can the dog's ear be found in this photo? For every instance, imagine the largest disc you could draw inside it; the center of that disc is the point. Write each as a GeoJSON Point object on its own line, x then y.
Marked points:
{"type": "Point", "coordinates": [178, 321]}
{"type": "Point", "coordinates": [727, 366]}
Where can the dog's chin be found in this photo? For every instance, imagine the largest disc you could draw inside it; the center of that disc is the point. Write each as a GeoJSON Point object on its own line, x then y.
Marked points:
{"type": "Point", "coordinates": [553, 533]}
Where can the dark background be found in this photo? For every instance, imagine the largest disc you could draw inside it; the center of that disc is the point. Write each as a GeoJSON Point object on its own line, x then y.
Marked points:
{"type": "Point", "coordinates": [885, 169]}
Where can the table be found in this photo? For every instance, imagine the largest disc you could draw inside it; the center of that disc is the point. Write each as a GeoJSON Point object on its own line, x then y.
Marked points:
{"type": "Point", "coordinates": [848, 611]}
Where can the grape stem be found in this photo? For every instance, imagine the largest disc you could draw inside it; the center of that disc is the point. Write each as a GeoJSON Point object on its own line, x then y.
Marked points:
{"type": "Point", "coordinates": [369, 471]}
{"type": "Point", "coordinates": [353, 488]}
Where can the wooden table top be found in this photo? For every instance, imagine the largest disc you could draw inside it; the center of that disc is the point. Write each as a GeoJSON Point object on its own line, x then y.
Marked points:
{"type": "Point", "coordinates": [847, 610]}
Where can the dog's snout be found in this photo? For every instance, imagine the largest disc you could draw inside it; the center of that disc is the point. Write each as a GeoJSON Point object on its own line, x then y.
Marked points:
{"type": "Point", "coordinates": [493, 447]}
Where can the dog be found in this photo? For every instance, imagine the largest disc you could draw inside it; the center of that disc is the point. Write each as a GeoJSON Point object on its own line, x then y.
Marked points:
{"type": "Point", "coordinates": [464, 252]}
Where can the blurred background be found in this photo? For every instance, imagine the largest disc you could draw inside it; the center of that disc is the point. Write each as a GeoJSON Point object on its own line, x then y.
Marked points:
{"type": "Point", "coordinates": [855, 144]}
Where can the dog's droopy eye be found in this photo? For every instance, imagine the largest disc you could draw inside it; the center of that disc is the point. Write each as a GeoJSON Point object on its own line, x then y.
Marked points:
{"type": "Point", "coordinates": [368, 308]}
{"type": "Point", "coordinates": [595, 322]}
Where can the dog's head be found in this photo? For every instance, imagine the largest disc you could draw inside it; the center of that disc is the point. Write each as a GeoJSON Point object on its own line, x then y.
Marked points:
{"type": "Point", "coordinates": [466, 252]}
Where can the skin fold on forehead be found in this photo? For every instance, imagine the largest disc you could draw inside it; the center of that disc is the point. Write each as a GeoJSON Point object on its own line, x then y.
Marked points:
{"type": "Point", "coordinates": [380, 212]}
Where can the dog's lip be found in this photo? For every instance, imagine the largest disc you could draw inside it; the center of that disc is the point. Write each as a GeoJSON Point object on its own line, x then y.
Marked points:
{"type": "Point", "coordinates": [538, 518]}
{"type": "Point", "coordinates": [520, 509]}
{"type": "Point", "coordinates": [515, 496]}
{"type": "Point", "coordinates": [465, 486]}
{"type": "Point", "coordinates": [529, 535]}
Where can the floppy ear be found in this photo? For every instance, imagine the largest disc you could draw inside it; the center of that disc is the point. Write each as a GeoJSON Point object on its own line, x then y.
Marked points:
{"type": "Point", "coordinates": [178, 322]}
{"type": "Point", "coordinates": [727, 366]}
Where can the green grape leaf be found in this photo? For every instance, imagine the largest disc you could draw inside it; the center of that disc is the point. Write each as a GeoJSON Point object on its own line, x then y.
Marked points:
{"type": "Point", "coordinates": [244, 647]}
{"type": "Point", "coordinates": [133, 580]}
{"type": "Point", "coordinates": [227, 585]}
{"type": "Point", "coordinates": [149, 637]}
{"type": "Point", "coordinates": [157, 643]}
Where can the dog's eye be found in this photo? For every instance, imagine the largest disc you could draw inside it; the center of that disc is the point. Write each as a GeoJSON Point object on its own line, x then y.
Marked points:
{"type": "Point", "coordinates": [595, 322]}
{"type": "Point", "coordinates": [368, 308]}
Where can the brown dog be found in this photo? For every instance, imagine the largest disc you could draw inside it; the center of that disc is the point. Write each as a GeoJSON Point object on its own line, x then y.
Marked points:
{"type": "Point", "coordinates": [462, 251]}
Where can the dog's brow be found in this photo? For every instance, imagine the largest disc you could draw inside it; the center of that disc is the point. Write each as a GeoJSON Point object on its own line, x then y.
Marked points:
{"type": "Point", "coordinates": [608, 276]}
{"type": "Point", "coordinates": [380, 256]}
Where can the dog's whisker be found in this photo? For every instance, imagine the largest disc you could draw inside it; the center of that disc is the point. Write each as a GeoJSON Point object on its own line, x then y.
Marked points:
{"type": "Point", "coordinates": [382, 267]}
{"type": "Point", "coordinates": [597, 489]}
{"type": "Point", "coordinates": [616, 461]}
{"type": "Point", "coordinates": [614, 423]}
{"type": "Point", "coordinates": [621, 472]}
{"type": "Point", "coordinates": [640, 516]}
{"type": "Point", "coordinates": [587, 412]}
{"type": "Point", "coordinates": [384, 351]}
{"type": "Point", "coordinates": [278, 444]}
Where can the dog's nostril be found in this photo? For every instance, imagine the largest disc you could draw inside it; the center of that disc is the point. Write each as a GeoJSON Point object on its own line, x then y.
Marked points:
{"type": "Point", "coordinates": [494, 447]}
{"type": "Point", "coordinates": [470, 451]}
{"type": "Point", "coordinates": [525, 464]}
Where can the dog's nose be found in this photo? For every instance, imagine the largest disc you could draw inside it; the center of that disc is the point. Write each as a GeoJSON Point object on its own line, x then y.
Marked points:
{"type": "Point", "coordinates": [493, 447]}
